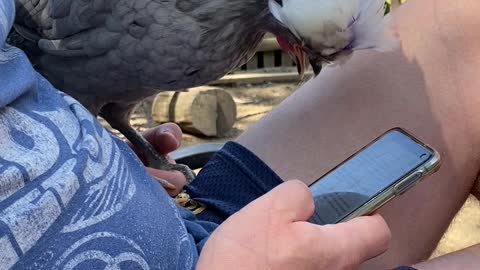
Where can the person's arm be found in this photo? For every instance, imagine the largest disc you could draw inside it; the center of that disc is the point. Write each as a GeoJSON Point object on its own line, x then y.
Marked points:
{"type": "Point", "coordinates": [271, 233]}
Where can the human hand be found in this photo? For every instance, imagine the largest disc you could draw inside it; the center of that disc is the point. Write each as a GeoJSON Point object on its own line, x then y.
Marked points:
{"type": "Point", "coordinates": [272, 233]}
{"type": "Point", "coordinates": [166, 138]}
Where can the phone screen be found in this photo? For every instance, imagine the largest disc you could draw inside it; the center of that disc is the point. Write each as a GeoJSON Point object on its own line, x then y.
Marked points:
{"type": "Point", "coordinates": [365, 175]}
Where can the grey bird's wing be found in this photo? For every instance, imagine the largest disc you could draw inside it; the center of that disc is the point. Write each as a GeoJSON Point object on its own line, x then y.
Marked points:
{"type": "Point", "coordinates": [93, 47]}
{"type": "Point", "coordinates": [122, 51]}
{"type": "Point", "coordinates": [67, 27]}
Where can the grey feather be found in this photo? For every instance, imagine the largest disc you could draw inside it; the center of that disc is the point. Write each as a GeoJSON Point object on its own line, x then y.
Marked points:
{"type": "Point", "coordinates": [156, 42]}
{"type": "Point", "coordinates": [111, 54]}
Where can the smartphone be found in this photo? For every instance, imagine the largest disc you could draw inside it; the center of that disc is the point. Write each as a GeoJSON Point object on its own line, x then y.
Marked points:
{"type": "Point", "coordinates": [382, 170]}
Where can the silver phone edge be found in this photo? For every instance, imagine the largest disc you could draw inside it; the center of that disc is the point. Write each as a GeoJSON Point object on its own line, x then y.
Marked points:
{"type": "Point", "coordinates": [428, 168]}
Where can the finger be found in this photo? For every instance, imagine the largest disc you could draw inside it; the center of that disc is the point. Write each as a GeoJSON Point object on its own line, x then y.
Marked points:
{"type": "Point", "coordinates": [167, 185]}
{"type": "Point", "coordinates": [290, 201]}
{"type": "Point", "coordinates": [164, 138]}
{"type": "Point", "coordinates": [359, 239]}
{"type": "Point", "coordinates": [170, 159]}
{"type": "Point", "coordinates": [175, 178]}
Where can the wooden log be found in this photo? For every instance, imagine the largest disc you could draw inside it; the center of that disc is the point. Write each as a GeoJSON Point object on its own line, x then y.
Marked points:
{"type": "Point", "coordinates": [208, 111]}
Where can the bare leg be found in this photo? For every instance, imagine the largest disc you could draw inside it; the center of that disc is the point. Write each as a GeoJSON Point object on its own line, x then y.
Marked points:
{"type": "Point", "coordinates": [465, 259]}
{"type": "Point", "coordinates": [430, 86]}
{"type": "Point", "coordinates": [118, 115]}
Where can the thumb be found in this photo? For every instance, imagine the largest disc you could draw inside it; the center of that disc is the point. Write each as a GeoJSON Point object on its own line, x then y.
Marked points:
{"type": "Point", "coordinates": [290, 201]}
{"type": "Point", "coordinates": [359, 239]}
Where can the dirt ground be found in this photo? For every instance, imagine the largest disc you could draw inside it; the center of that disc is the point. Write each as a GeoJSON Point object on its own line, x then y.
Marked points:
{"type": "Point", "coordinates": [253, 102]}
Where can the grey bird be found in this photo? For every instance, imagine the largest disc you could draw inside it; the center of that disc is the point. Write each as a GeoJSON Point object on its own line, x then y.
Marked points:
{"type": "Point", "coordinates": [111, 54]}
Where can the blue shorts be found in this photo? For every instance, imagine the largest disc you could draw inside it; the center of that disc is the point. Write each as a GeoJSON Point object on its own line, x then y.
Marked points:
{"type": "Point", "coordinates": [230, 180]}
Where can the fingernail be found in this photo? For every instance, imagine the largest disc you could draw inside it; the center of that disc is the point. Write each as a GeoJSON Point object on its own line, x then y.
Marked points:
{"type": "Point", "coordinates": [166, 131]}
{"type": "Point", "coordinates": [165, 183]}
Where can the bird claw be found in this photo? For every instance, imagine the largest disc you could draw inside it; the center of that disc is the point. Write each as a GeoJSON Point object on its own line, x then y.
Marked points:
{"type": "Point", "coordinates": [157, 161]}
{"type": "Point", "coordinates": [162, 164]}
{"type": "Point", "coordinates": [185, 170]}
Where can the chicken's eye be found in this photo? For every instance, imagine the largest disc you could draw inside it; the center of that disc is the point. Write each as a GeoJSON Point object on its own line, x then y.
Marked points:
{"type": "Point", "coordinates": [280, 2]}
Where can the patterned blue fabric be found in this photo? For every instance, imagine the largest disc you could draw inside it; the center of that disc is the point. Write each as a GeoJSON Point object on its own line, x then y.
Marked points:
{"type": "Point", "coordinates": [72, 196]}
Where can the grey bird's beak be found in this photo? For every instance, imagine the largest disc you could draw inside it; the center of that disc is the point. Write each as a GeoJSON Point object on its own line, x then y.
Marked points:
{"type": "Point", "coordinates": [316, 67]}
{"type": "Point", "coordinates": [298, 55]}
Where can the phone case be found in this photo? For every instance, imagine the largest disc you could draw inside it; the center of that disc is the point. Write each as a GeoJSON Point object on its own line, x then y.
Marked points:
{"type": "Point", "coordinates": [402, 185]}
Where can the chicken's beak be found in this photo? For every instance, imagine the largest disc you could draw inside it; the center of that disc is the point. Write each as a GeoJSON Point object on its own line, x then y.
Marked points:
{"type": "Point", "coordinates": [298, 55]}
{"type": "Point", "coordinates": [316, 67]}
